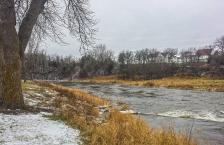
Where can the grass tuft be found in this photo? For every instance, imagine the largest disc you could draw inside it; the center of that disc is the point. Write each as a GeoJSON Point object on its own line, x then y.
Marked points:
{"type": "Point", "coordinates": [148, 84]}
{"type": "Point", "coordinates": [120, 102]}
{"type": "Point", "coordinates": [124, 108]}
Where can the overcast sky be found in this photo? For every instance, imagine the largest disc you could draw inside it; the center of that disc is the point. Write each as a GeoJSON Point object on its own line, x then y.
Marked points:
{"type": "Point", "coordinates": [137, 24]}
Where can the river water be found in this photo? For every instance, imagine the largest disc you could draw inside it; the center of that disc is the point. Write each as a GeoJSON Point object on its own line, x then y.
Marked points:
{"type": "Point", "coordinates": [197, 113]}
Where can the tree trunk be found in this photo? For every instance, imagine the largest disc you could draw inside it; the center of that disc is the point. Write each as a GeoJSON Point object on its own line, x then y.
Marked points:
{"type": "Point", "coordinates": [10, 63]}
{"type": "Point", "coordinates": [28, 22]}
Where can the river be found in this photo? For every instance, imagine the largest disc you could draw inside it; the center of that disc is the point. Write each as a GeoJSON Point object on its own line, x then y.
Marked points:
{"type": "Point", "coordinates": [199, 113]}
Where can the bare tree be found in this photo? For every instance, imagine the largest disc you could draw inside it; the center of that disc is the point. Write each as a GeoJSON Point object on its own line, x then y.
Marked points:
{"type": "Point", "coordinates": [152, 54]}
{"type": "Point", "coordinates": [220, 44]}
{"type": "Point", "coordinates": [24, 21]}
{"type": "Point", "coordinates": [191, 54]}
{"type": "Point", "coordinates": [170, 52]}
{"type": "Point", "coordinates": [188, 54]}
{"type": "Point", "coordinates": [97, 61]}
{"type": "Point", "coordinates": [128, 57]}
{"type": "Point", "coordinates": [121, 58]}
{"type": "Point", "coordinates": [138, 56]}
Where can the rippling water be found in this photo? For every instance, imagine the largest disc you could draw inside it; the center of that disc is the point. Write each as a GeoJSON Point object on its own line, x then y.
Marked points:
{"type": "Point", "coordinates": [160, 107]}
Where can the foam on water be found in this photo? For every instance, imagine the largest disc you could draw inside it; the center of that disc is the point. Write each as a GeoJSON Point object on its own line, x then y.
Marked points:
{"type": "Point", "coordinates": [205, 115]}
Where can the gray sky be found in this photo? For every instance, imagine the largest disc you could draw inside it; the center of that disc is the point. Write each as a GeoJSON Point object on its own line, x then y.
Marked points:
{"type": "Point", "coordinates": [137, 24]}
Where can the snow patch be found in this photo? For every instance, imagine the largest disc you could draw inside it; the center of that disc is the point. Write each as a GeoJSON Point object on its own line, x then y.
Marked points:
{"type": "Point", "coordinates": [128, 111]}
{"type": "Point", "coordinates": [26, 129]}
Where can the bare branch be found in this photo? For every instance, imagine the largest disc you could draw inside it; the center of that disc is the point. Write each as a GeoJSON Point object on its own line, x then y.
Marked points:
{"type": "Point", "coordinates": [37, 20]}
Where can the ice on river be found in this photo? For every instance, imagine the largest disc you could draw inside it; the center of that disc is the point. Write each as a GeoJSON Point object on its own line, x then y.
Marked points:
{"type": "Point", "coordinates": [27, 129]}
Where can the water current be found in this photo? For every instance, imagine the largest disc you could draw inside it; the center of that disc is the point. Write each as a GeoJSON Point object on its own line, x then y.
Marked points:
{"type": "Point", "coordinates": [196, 113]}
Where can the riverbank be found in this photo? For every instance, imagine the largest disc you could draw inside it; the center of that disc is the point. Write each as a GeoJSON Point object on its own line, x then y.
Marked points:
{"type": "Point", "coordinates": [30, 126]}
{"type": "Point", "coordinates": [205, 84]}
{"type": "Point", "coordinates": [84, 112]}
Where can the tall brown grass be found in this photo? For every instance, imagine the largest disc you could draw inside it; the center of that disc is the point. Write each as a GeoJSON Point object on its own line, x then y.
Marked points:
{"type": "Point", "coordinates": [116, 128]}
{"type": "Point", "coordinates": [207, 84]}
{"type": "Point", "coordinates": [74, 94]}
{"type": "Point", "coordinates": [127, 129]}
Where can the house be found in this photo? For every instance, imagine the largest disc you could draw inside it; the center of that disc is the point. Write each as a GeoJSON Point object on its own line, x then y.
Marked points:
{"type": "Point", "coordinates": [177, 59]}
{"type": "Point", "coordinates": [203, 54]}
{"type": "Point", "coordinates": [165, 58]}
{"type": "Point", "coordinates": [160, 58]}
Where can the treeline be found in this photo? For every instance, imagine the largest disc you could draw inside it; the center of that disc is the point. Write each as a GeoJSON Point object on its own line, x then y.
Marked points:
{"type": "Point", "coordinates": [144, 64]}
{"type": "Point", "coordinates": [152, 64]}
{"type": "Point", "coordinates": [95, 62]}
{"type": "Point", "coordinates": [39, 65]}
{"type": "Point", "coordinates": [141, 64]}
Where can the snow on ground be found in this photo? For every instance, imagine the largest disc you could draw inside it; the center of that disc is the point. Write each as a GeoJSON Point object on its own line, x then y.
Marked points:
{"type": "Point", "coordinates": [128, 111]}
{"type": "Point", "coordinates": [34, 129]}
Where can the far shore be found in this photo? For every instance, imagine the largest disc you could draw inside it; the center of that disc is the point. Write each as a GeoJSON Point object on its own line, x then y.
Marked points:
{"type": "Point", "coordinates": [186, 83]}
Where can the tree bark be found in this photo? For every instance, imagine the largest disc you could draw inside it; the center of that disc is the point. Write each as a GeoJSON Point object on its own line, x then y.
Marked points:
{"type": "Point", "coordinates": [10, 63]}
{"type": "Point", "coordinates": [12, 48]}
{"type": "Point", "coordinates": [28, 22]}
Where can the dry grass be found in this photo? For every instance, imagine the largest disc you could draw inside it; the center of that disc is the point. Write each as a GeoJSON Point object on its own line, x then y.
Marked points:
{"type": "Point", "coordinates": [95, 112]}
{"type": "Point", "coordinates": [127, 129]}
{"type": "Point", "coordinates": [120, 102]}
{"type": "Point", "coordinates": [76, 108]}
{"type": "Point", "coordinates": [207, 84]}
{"type": "Point", "coordinates": [25, 86]}
{"type": "Point", "coordinates": [191, 83]}
{"type": "Point", "coordinates": [75, 94]}
{"type": "Point", "coordinates": [29, 85]}
{"type": "Point", "coordinates": [124, 108]}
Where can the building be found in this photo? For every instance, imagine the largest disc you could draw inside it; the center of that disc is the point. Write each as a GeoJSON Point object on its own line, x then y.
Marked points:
{"type": "Point", "coordinates": [203, 54]}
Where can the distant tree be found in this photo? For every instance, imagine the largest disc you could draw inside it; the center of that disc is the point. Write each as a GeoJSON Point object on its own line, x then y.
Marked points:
{"type": "Point", "coordinates": [219, 43]}
{"type": "Point", "coordinates": [152, 54]}
{"type": "Point", "coordinates": [128, 57]}
{"type": "Point", "coordinates": [121, 58]}
{"type": "Point", "coordinates": [98, 61]}
{"type": "Point", "coordinates": [170, 52]}
{"type": "Point", "coordinates": [138, 56]}
{"type": "Point", "coordinates": [187, 54]}
{"type": "Point", "coordinates": [192, 51]}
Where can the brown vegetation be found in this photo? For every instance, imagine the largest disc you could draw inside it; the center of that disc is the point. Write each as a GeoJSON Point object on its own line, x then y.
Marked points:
{"type": "Point", "coordinates": [127, 129]}
{"type": "Point", "coordinates": [115, 129]}
{"type": "Point", "coordinates": [120, 102]}
{"type": "Point", "coordinates": [124, 108]}
{"type": "Point", "coordinates": [207, 84]}
{"type": "Point", "coordinates": [74, 94]}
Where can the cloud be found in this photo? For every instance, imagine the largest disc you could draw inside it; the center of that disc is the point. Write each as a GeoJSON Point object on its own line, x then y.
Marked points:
{"type": "Point", "coordinates": [134, 24]}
